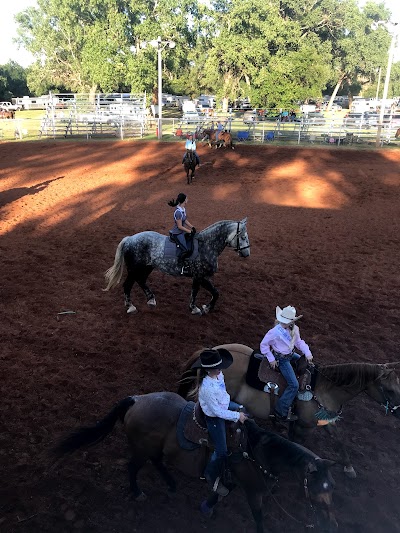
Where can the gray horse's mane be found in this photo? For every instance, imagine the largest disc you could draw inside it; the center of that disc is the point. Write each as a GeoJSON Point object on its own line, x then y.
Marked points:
{"type": "Point", "coordinates": [357, 375]}
{"type": "Point", "coordinates": [212, 226]}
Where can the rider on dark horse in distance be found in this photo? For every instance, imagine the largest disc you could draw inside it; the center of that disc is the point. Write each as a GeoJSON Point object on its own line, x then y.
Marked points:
{"type": "Point", "coordinates": [191, 145]}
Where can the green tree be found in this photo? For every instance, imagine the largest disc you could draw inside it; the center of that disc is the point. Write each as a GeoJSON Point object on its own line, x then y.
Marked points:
{"type": "Point", "coordinates": [13, 81]}
{"type": "Point", "coordinates": [84, 45]}
{"type": "Point", "coordinates": [261, 51]}
{"type": "Point", "coordinates": [359, 46]}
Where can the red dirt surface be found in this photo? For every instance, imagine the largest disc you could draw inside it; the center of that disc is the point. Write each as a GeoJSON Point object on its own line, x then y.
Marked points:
{"type": "Point", "coordinates": [324, 227]}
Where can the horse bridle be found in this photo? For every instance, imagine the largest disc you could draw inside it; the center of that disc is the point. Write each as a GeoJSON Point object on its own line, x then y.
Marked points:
{"type": "Point", "coordinates": [266, 473]}
{"type": "Point", "coordinates": [238, 248]}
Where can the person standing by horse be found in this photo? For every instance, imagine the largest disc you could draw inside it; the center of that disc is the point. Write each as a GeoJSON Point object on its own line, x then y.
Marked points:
{"type": "Point", "coordinates": [217, 407]}
{"type": "Point", "coordinates": [278, 346]}
{"type": "Point", "coordinates": [191, 145]}
{"type": "Point", "coordinates": [182, 225]}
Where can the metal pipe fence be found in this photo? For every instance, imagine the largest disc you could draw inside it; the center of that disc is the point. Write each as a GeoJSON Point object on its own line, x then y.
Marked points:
{"type": "Point", "coordinates": [334, 132]}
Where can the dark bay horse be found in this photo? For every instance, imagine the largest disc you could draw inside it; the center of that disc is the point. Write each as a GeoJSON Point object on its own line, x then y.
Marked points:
{"type": "Point", "coordinates": [224, 138]}
{"type": "Point", "coordinates": [335, 385]}
{"type": "Point", "coordinates": [144, 252]}
{"type": "Point", "coordinates": [150, 423]}
{"type": "Point", "coordinates": [190, 165]}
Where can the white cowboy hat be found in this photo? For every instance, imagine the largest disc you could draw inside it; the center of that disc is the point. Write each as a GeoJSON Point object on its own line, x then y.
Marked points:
{"type": "Point", "coordinates": [287, 314]}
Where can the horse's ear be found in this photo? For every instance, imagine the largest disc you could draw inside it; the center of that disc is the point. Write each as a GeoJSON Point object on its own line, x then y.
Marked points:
{"type": "Point", "coordinates": [387, 372]}
{"type": "Point", "coordinates": [312, 467]}
{"type": "Point", "coordinates": [328, 462]}
{"type": "Point", "coordinates": [393, 366]}
{"type": "Point", "coordinates": [244, 221]}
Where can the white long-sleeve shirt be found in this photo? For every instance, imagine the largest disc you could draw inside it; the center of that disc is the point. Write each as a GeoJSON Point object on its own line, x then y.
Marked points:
{"type": "Point", "coordinates": [190, 145]}
{"type": "Point", "coordinates": [280, 340]}
{"type": "Point", "coordinates": [214, 400]}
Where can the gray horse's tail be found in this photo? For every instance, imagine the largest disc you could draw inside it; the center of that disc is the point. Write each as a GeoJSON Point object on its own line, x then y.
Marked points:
{"type": "Point", "coordinates": [87, 436]}
{"type": "Point", "coordinates": [114, 274]}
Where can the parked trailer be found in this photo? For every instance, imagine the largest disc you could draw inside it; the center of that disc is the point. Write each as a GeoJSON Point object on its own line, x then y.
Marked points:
{"type": "Point", "coordinates": [28, 102]}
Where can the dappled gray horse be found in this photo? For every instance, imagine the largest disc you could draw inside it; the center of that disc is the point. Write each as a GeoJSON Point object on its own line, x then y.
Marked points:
{"type": "Point", "coordinates": [146, 251]}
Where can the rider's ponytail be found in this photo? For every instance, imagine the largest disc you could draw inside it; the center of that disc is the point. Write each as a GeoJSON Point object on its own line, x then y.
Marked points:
{"type": "Point", "coordinates": [179, 200]}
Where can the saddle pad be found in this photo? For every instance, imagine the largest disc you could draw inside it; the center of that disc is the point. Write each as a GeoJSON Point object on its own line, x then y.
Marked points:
{"type": "Point", "coordinates": [185, 441]}
{"type": "Point", "coordinates": [252, 378]}
{"type": "Point", "coordinates": [171, 250]}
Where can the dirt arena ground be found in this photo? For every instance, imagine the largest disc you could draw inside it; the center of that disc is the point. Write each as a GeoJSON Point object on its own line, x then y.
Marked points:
{"type": "Point", "coordinates": [324, 227]}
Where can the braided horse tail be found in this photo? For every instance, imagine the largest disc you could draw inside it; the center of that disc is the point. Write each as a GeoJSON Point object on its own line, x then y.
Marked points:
{"type": "Point", "coordinates": [114, 274]}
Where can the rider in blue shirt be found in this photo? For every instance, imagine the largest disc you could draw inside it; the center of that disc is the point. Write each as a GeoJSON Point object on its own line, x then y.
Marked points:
{"type": "Point", "coordinates": [182, 225]}
{"type": "Point", "coordinates": [220, 127]}
{"type": "Point", "coordinates": [191, 145]}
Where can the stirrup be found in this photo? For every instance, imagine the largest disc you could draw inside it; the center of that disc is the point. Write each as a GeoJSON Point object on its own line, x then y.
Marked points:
{"type": "Point", "coordinates": [220, 488]}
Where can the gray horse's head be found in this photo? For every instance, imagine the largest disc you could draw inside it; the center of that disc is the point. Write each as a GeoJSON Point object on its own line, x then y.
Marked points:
{"type": "Point", "coordinates": [239, 239]}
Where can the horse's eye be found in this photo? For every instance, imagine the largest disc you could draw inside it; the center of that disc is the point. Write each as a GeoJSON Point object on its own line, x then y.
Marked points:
{"type": "Point", "coordinates": [325, 485]}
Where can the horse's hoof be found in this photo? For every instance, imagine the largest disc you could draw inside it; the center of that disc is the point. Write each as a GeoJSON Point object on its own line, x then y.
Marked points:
{"type": "Point", "coordinates": [141, 498]}
{"type": "Point", "coordinates": [196, 311]}
{"type": "Point", "coordinates": [350, 472]}
{"type": "Point", "coordinates": [132, 309]}
{"type": "Point", "coordinates": [205, 510]}
{"type": "Point", "coordinates": [205, 309]}
{"type": "Point", "coordinates": [152, 303]}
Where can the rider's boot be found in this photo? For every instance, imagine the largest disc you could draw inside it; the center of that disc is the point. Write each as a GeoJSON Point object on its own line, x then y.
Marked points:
{"type": "Point", "coordinates": [182, 264]}
{"type": "Point", "coordinates": [214, 473]}
{"type": "Point", "coordinates": [289, 418]}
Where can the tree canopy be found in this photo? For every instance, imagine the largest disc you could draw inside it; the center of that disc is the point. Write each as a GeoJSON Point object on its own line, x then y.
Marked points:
{"type": "Point", "coordinates": [12, 81]}
{"type": "Point", "coordinates": [276, 52]}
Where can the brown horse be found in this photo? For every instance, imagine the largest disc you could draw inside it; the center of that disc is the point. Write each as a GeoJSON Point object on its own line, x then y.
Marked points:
{"type": "Point", "coordinates": [5, 114]}
{"type": "Point", "coordinates": [335, 385]}
{"type": "Point", "coordinates": [224, 139]}
{"type": "Point", "coordinates": [397, 134]}
{"type": "Point", "coordinates": [150, 423]}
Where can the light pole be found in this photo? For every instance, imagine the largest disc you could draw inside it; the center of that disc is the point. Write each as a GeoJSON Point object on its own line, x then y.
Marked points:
{"type": "Point", "coordinates": [160, 45]}
{"type": "Point", "coordinates": [386, 86]}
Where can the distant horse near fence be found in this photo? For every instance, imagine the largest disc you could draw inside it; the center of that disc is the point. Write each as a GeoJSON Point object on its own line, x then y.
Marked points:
{"type": "Point", "coordinates": [5, 114]}
{"type": "Point", "coordinates": [224, 138]}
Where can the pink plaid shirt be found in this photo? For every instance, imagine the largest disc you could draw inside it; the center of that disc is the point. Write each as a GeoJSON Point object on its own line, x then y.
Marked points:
{"type": "Point", "coordinates": [280, 340]}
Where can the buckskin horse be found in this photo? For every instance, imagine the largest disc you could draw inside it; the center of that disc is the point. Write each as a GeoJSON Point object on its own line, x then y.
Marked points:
{"type": "Point", "coordinates": [151, 424]}
{"type": "Point", "coordinates": [190, 165]}
{"type": "Point", "coordinates": [144, 252]}
{"type": "Point", "coordinates": [224, 138]}
{"type": "Point", "coordinates": [335, 385]}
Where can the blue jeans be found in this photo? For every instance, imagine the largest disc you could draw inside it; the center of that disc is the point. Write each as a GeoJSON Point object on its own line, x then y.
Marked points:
{"type": "Point", "coordinates": [182, 241]}
{"type": "Point", "coordinates": [216, 429]}
{"type": "Point", "coordinates": [289, 394]}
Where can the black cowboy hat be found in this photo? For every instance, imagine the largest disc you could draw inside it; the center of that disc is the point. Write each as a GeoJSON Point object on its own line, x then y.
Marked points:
{"type": "Point", "coordinates": [213, 359]}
